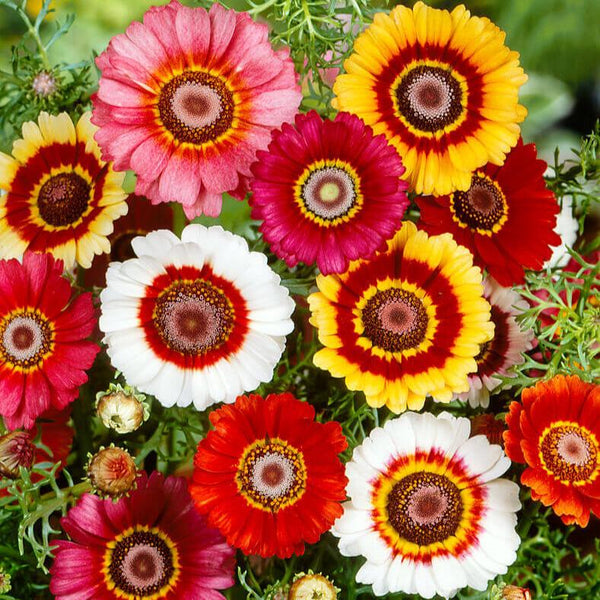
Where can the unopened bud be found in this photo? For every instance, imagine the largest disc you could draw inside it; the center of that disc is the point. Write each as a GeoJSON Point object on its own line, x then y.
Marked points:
{"type": "Point", "coordinates": [122, 408]}
{"type": "Point", "coordinates": [313, 586]}
{"type": "Point", "coordinates": [111, 472]}
{"type": "Point", "coordinates": [16, 450]}
{"type": "Point", "coordinates": [512, 592]}
{"type": "Point", "coordinates": [44, 84]}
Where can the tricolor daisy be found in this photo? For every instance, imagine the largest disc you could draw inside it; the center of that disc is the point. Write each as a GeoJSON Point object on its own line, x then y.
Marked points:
{"type": "Point", "coordinates": [269, 477]}
{"type": "Point", "coordinates": [199, 319]}
{"type": "Point", "coordinates": [328, 191]}
{"type": "Point", "coordinates": [406, 324]}
{"type": "Point", "coordinates": [43, 329]}
{"type": "Point", "coordinates": [427, 509]}
{"type": "Point", "coordinates": [187, 98]}
{"type": "Point", "coordinates": [555, 431]}
{"type": "Point", "coordinates": [61, 197]}
{"type": "Point", "coordinates": [151, 544]}
{"type": "Point", "coordinates": [441, 86]}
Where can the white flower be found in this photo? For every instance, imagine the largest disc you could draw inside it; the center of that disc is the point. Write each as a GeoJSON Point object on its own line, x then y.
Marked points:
{"type": "Point", "coordinates": [201, 319]}
{"type": "Point", "coordinates": [427, 509]}
{"type": "Point", "coordinates": [567, 227]}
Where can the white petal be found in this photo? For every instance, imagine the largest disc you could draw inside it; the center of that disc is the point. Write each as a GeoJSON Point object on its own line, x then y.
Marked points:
{"type": "Point", "coordinates": [483, 460]}
{"type": "Point", "coordinates": [448, 574]}
{"type": "Point", "coordinates": [402, 434]}
{"type": "Point", "coordinates": [424, 583]}
{"type": "Point", "coordinates": [502, 495]}
{"type": "Point", "coordinates": [401, 575]}
{"type": "Point", "coordinates": [155, 243]}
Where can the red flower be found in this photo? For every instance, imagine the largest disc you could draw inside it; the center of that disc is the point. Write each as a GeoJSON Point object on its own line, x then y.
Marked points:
{"type": "Point", "coordinates": [496, 216]}
{"type": "Point", "coordinates": [556, 432]}
{"type": "Point", "coordinates": [43, 351]}
{"type": "Point", "coordinates": [268, 477]}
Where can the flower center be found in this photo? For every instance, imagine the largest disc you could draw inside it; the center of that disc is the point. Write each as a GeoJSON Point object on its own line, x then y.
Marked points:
{"type": "Point", "coordinates": [25, 338]}
{"type": "Point", "coordinates": [143, 563]}
{"type": "Point", "coordinates": [196, 107]}
{"type": "Point", "coordinates": [271, 475]}
{"type": "Point", "coordinates": [570, 453]}
{"type": "Point", "coordinates": [425, 508]}
{"type": "Point", "coordinates": [193, 318]}
{"type": "Point", "coordinates": [482, 207]}
{"type": "Point", "coordinates": [395, 320]}
{"type": "Point", "coordinates": [63, 199]}
{"type": "Point", "coordinates": [328, 192]}
{"type": "Point", "coordinates": [429, 98]}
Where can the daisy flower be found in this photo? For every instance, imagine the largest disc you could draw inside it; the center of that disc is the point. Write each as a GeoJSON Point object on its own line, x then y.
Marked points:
{"type": "Point", "coordinates": [441, 86]}
{"type": "Point", "coordinates": [555, 431]}
{"type": "Point", "coordinates": [328, 191]}
{"type": "Point", "coordinates": [201, 319]}
{"type": "Point", "coordinates": [406, 324]}
{"type": "Point", "coordinates": [427, 509]}
{"type": "Point", "coordinates": [494, 217]}
{"type": "Point", "coordinates": [61, 197]}
{"type": "Point", "coordinates": [504, 350]}
{"type": "Point", "coordinates": [268, 476]}
{"type": "Point", "coordinates": [43, 348]}
{"type": "Point", "coordinates": [151, 544]}
{"type": "Point", "coordinates": [187, 98]}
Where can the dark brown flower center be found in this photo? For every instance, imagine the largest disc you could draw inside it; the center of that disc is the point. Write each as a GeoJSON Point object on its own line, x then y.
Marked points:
{"type": "Point", "coordinates": [429, 98]}
{"type": "Point", "coordinates": [196, 107]}
{"type": "Point", "coordinates": [142, 564]}
{"type": "Point", "coordinates": [425, 508]}
{"type": "Point", "coordinates": [569, 452]}
{"type": "Point", "coordinates": [272, 475]}
{"type": "Point", "coordinates": [329, 193]}
{"type": "Point", "coordinates": [25, 338]}
{"type": "Point", "coordinates": [63, 199]}
{"type": "Point", "coordinates": [394, 320]}
{"type": "Point", "coordinates": [482, 206]}
{"type": "Point", "coordinates": [194, 318]}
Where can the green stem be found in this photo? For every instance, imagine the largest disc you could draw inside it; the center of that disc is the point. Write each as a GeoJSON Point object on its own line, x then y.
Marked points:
{"type": "Point", "coordinates": [34, 33]}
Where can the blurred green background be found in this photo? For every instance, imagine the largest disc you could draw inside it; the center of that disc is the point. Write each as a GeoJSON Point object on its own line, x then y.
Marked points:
{"type": "Point", "coordinates": [559, 43]}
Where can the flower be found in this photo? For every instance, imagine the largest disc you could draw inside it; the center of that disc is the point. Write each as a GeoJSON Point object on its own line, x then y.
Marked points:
{"type": "Point", "coordinates": [201, 319]}
{"type": "Point", "coordinates": [16, 450]}
{"type": "Point", "coordinates": [187, 98]}
{"type": "Point", "coordinates": [62, 198]}
{"type": "Point", "coordinates": [111, 471]}
{"type": "Point", "coordinates": [268, 476]}
{"type": "Point", "coordinates": [441, 86]}
{"type": "Point", "coordinates": [308, 586]}
{"type": "Point", "coordinates": [121, 408]}
{"type": "Point", "coordinates": [5, 585]}
{"type": "Point", "coordinates": [406, 324]}
{"type": "Point", "coordinates": [555, 431]}
{"type": "Point", "coordinates": [43, 350]}
{"type": "Point", "coordinates": [150, 544]}
{"type": "Point", "coordinates": [493, 218]}
{"type": "Point", "coordinates": [427, 509]}
{"type": "Point", "coordinates": [328, 191]}
{"type": "Point", "coordinates": [487, 424]}
{"type": "Point", "coordinates": [504, 350]}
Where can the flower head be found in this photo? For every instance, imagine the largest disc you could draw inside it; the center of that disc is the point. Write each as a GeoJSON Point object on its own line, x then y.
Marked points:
{"type": "Point", "coordinates": [150, 544]}
{"type": "Point", "coordinates": [43, 350]}
{"type": "Point", "coordinates": [199, 319]}
{"type": "Point", "coordinates": [112, 472]}
{"type": "Point", "coordinates": [16, 450]}
{"type": "Point", "coordinates": [268, 476]}
{"type": "Point", "coordinates": [312, 586]}
{"type": "Point", "coordinates": [441, 86]}
{"type": "Point", "coordinates": [555, 431]}
{"type": "Point", "coordinates": [121, 408]}
{"type": "Point", "coordinates": [62, 198]}
{"type": "Point", "coordinates": [494, 216]}
{"type": "Point", "coordinates": [328, 191]}
{"type": "Point", "coordinates": [406, 324]}
{"type": "Point", "coordinates": [427, 509]}
{"type": "Point", "coordinates": [187, 98]}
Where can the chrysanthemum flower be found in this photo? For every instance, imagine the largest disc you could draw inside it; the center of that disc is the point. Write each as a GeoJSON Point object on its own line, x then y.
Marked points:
{"type": "Point", "coordinates": [495, 216]}
{"type": "Point", "coordinates": [152, 544]}
{"type": "Point", "coordinates": [43, 350]}
{"type": "Point", "coordinates": [406, 324]}
{"type": "Point", "coordinates": [61, 197]}
{"type": "Point", "coordinates": [269, 477]}
{"type": "Point", "coordinates": [504, 350]}
{"type": "Point", "coordinates": [328, 191]}
{"type": "Point", "coordinates": [185, 100]}
{"type": "Point", "coordinates": [555, 431]}
{"type": "Point", "coordinates": [441, 86]}
{"type": "Point", "coordinates": [201, 319]}
{"type": "Point", "coordinates": [427, 509]}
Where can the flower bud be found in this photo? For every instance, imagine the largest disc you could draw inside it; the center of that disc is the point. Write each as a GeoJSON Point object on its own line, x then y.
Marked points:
{"type": "Point", "coordinates": [16, 450]}
{"type": "Point", "coordinates": [112, 472]}
{"type": "Point", "coordinates": [5, 586]}
{"type": "Point", "coordinates": [121, 408]}
{"type": "Point", "coordinates": [312, 586]}
{"type": "Point", "coordinates": [512, 592]}
{"type": "Point", "coordinates": [44, 84]}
